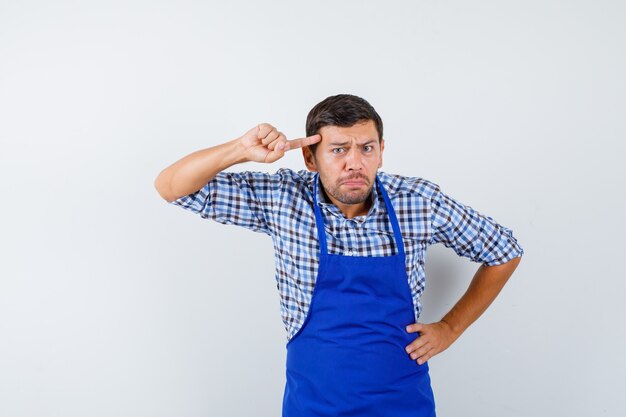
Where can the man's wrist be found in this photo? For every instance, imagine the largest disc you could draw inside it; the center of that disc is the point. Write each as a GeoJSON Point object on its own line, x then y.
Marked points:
{"type": "Point", "coordinates": [454, 330]}
{"type": "Point", "coordinates": [236, 153]}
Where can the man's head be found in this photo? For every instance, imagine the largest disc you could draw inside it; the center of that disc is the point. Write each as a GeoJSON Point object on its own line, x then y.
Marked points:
{"type": "Point", "coordinates": [351, 148]}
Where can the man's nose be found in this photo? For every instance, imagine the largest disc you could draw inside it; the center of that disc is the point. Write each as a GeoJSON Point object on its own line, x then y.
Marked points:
{"type": "Point", "coordinates": [353, 160]}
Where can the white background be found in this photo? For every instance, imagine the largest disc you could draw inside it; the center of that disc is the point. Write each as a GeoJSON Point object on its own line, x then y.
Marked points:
{"type": "Point", "coordinates": [114, 303]}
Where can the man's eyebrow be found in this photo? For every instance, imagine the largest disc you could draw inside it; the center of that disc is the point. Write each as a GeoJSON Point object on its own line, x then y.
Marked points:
{"type": "Point", "coordinates": [346, 142]}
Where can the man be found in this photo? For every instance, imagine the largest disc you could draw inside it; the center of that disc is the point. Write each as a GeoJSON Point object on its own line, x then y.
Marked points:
{"type": "Point", "coordinates": [350, 244]}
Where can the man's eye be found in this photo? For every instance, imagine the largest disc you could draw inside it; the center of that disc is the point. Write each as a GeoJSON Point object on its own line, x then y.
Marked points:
{"type": "Point", "coordinates": [368, 148]}
{"type": "Point", "coordinates": [335, 150]}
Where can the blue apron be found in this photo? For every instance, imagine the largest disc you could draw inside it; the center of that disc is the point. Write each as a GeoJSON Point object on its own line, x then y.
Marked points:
{"type": "Point", "coordinates": [348, 358]}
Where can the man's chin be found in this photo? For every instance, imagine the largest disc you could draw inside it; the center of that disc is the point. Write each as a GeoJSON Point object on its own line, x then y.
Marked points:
{"type": "Point", "coordinates": [354, 197]}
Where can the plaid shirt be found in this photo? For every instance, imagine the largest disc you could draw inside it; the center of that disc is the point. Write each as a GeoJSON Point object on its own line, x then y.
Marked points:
{"type": "Point", "coordinates": [281, 205]}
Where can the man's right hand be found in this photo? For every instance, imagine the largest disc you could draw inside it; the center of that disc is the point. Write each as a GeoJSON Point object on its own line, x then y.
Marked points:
{"type": "Point", "coordinates": [264, 143]}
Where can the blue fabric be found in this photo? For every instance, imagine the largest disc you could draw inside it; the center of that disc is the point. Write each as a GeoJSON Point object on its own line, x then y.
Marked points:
{"type": "Point", "coordinates": [348, 357]}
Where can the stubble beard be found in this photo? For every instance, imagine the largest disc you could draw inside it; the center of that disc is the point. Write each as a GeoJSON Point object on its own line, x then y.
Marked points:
{"type": "Point", "coordinates": [356, 196]}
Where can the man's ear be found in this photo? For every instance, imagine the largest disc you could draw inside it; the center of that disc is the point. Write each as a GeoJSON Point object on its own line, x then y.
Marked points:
{"type": "Point", "coordinates": [309, 159]}
{"type": "Point", "coordinates": [382, 148]}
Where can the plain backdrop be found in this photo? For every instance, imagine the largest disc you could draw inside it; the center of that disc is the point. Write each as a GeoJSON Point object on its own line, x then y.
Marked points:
{"type": "Point", "coordinates": [114, 303]}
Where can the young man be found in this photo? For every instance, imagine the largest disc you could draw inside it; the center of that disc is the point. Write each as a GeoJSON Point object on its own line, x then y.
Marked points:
{"type": "Point", "coordinates": [350, 243]}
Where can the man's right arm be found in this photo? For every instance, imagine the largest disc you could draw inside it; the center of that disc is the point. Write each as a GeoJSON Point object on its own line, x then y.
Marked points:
{"type": "Point", "coordinates": [192, 172]}
{"type": "Point", "coordinates": [262, 143]}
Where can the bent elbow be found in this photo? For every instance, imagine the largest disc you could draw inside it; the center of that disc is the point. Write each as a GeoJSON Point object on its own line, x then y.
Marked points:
{"type": "Point", "coordinates": [162, 187]}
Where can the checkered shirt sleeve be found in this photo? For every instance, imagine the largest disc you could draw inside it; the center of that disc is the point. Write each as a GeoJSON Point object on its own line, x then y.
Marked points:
{"type": "Point", "coordinates": [237, 198]}
{"type": "Point", "coordinates": [470, 233]}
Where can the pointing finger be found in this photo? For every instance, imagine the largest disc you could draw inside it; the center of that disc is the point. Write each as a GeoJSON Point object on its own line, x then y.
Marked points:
{"type": "Point", "coordinates": [299, 143]}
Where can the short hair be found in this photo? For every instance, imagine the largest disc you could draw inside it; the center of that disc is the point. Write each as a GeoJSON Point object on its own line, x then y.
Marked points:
{"type": "Point", "coordinates": [343, 110]}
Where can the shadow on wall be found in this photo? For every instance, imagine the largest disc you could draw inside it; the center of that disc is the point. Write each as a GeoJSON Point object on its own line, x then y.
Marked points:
{"type": "Point", "coordinates": [447, 279]}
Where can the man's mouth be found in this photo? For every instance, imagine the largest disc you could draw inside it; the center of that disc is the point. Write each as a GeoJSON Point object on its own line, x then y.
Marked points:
{"type": "Point", "coordinates": [354, 182]}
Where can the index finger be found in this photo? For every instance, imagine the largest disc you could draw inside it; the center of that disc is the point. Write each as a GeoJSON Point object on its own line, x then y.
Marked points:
{"type": "Point", "coordinates": [299, 143]}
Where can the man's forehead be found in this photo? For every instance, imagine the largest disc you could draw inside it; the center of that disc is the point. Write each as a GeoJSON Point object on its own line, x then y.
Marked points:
{"type": "Point", "coordinates": [360, 133]}
{"type": "Point", "coordinates": [349, 141]}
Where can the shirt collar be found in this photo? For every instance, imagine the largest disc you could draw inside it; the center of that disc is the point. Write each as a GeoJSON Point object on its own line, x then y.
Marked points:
{"type": "Point", "coordinates": [333, 209]}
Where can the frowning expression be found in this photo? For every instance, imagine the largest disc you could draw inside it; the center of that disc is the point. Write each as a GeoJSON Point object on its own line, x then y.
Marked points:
{"type": "Point", "coordinates": [347, 159]}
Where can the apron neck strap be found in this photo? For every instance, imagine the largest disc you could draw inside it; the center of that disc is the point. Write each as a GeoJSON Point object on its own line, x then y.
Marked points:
{"type": "Point", "coordinates": [319, 219]}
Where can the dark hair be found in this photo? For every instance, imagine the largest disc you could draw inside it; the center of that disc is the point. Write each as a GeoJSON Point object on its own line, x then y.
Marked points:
{"type": "Point", "coordinates": [343, 110]}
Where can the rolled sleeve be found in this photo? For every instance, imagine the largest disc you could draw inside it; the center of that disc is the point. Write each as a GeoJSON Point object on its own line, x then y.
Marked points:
{"type": "Point", "coordinates": [471, 234]}
{"type": "Point", "coordinates": [237, 198]}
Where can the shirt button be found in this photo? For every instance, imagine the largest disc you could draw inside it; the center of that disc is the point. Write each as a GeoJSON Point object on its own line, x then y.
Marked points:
{"type": "Point", "coordinates": [350, 252]}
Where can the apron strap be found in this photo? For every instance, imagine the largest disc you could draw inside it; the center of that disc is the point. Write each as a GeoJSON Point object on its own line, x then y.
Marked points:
{"type": "Point", "coordinates": [392, 217]}
{"type": "Point", "coordinates": [319, 220]}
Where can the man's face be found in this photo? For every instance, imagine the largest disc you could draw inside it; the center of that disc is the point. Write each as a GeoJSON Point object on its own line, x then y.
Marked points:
{"type": "Point", "coordinates": [347, 159]}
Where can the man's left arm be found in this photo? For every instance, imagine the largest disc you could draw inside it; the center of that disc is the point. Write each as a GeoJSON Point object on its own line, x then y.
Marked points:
{"type": "Point", "coordinates": [481, 239]}
{"type": "Point", "coordinates": [483, 289]}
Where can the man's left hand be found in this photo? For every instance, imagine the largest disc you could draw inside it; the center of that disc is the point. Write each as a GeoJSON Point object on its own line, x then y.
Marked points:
{"type": "Point", "coordinates": [434, 338]}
